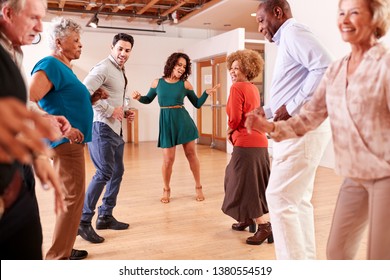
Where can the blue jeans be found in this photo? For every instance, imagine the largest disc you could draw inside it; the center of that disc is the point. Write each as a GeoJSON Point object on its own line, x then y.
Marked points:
{"type": "Point", "coordinates": [106, 151]}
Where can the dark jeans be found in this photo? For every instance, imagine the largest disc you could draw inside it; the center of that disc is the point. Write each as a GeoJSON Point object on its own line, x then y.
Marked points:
{"type": "Point", "coordinates": [20, 226]}
{"type": "Point", "coordinates": [106, 151]}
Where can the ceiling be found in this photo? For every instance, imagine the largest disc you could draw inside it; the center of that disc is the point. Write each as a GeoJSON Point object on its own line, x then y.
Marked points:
{"type": "Point", "coordinates": [221, 15]}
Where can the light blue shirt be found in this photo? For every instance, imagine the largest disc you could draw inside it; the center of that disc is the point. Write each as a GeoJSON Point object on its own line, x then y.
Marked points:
{"type": "Point", "coordinates": [300, 64]}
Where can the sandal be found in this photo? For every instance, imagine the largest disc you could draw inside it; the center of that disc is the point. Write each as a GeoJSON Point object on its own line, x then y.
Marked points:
{"type": "Point", "coordinates": [199, 194]}
{"type": "Point", "coordinates": [166, 195]}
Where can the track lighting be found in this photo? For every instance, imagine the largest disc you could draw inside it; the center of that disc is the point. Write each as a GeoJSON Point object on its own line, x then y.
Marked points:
{"type": "Point", "coordinates": [93, 22]}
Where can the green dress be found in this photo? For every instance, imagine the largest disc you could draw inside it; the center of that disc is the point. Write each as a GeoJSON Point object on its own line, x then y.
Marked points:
{"type": "Point", "coordinates": [176, 125]}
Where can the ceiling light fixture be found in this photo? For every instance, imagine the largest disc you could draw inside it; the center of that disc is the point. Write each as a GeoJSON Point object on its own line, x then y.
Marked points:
{"type": "Point", "coordinates": [94, 21]}
{"type": "Point", "coordinates": [92, 4]}
{"type": "Point", "coordinates": [175, 17]}
{"type": "Point", "coordinates": [121, 6]}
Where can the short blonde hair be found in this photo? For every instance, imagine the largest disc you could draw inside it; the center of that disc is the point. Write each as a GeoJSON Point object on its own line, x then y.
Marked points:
{"type": "Point", "coordinates": [380, 16]}
{"type": "Point", "coordinates": [251, 63]}
{"type": "Point", "coordinates": [380, 10]}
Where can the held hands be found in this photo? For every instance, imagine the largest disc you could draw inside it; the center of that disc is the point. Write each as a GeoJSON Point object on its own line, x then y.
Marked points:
{"type": "Point", "coordinates": [281, 114]}
{"type": "Point", "coordinates": [213, 90]}
{"type": "Point", "coordinates": [99, 94]}
{"type": "Point", "coordinates": [60, 123]}
{"type": "Point", "coordinates": [256, 121]}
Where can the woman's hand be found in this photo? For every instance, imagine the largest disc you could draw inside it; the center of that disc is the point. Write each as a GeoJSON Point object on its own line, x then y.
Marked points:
{"type": "Point", "coordinates": [75, 136]}
{"type": "Point", "coordinates": [99, 94]}
{"type": "Point", "coordinates": [213, 90]}
{"type": "Point", "coordinates": [136, 95]}
{"type": "Point", "coordinates": [229, 135]}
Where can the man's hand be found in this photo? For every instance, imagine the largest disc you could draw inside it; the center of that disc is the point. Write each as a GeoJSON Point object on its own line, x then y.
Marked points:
{"type": "Point", "coordinates": [281, 114]}
{"type": "Point", "coordinates": [22, 131]}
{"type": "Point", "coordinates": [130, 115]}
{"type": "Point", "coordinates": [49, 177]}
{"type": "Point", "coordinates": [118, 113]}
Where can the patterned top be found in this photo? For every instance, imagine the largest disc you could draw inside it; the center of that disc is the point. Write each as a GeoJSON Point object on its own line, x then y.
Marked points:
{"type": "Point", "coordinates": [359, 112]}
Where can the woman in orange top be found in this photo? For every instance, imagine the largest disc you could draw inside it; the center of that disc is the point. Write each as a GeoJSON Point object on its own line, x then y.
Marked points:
{"type": "Point", "coordinates": [247, 173]}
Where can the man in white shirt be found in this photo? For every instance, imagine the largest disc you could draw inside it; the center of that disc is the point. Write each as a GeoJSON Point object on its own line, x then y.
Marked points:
{"type": "Point", "coordinates": [107, 146]}
{"type": "Point", "coordinates": [300, 64]}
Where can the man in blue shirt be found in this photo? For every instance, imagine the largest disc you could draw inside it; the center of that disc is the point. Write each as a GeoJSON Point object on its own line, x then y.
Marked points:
{"type": "Point", "coordinates": [300, 64]}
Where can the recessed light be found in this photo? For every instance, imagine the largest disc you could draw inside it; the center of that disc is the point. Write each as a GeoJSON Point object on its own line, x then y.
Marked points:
{"type": "Point", "coordinates": [253, 14]}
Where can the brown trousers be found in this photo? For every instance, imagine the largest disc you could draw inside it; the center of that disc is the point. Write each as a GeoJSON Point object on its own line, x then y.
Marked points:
{"type": "Point", "coordinates": [70, 158]}
{"type": "Point", "coordinates": [361, 203]}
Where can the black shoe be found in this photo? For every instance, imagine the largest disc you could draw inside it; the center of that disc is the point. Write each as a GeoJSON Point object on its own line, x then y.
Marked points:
{"type": "Point", "coordinates": [87, 232]}
{"type": "Point", "coordinates": [109, 222]}
{"type": "Point", "coordinates": [78, 254]}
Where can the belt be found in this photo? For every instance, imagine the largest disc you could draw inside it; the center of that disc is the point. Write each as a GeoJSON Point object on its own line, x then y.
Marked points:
{"type": "Point", "coordinates": [172, 107]}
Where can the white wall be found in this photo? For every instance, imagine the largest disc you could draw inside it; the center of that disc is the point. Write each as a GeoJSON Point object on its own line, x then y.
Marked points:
{"type": "Point", "coordinates": [145, 64]}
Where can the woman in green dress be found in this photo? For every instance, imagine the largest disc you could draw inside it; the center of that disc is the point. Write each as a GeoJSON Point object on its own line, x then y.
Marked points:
{"type": "Point", "coordinates": [176, 125]}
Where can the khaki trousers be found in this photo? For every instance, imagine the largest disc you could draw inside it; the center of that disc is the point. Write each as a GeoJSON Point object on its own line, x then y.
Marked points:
{"type": "Point", "coordinates": [361, 203]}
{"type": "Point", "coordinates": [70, 158]}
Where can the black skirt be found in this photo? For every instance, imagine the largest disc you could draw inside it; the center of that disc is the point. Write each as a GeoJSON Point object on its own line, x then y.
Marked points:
{"type": "Point", "coordinates": [246, 179]}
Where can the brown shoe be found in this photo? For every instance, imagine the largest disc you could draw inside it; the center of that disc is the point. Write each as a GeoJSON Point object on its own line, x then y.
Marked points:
{"type": "Point", "coordinates": [264, 231]}
{"type": "Point", "coordinates": [240, 226]}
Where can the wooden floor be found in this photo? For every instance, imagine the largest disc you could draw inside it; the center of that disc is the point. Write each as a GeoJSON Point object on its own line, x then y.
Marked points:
{"type": "Point", "coordinates": [184, 229]}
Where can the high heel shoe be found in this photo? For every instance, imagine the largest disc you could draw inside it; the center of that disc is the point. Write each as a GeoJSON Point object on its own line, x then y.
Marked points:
{"type": "Point", "coordinates": [199, 194]}
{"type": "Point", "coordinates": [240, 226]}
{"type": "Point", "coordinates": [264, 231]}
{"type": "Point", "coordinates": [166, 195]}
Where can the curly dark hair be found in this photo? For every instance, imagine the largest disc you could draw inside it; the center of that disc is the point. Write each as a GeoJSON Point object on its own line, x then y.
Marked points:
{"type": "Point", "coordinates": [251, 63]}
{"type": "Point", "coordinates": [171, 63]}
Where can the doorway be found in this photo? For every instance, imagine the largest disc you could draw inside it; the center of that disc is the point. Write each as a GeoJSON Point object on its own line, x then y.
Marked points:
{"type": "Point", "coordinates": [212, 119]}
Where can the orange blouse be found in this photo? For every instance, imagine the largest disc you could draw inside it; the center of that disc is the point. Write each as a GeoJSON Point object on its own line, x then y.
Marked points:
{"type": "Point", "coordinates": [244, 97]}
